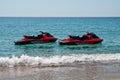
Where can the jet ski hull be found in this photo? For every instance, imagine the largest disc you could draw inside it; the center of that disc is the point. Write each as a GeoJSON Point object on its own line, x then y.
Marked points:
{"type": "Point", "coordinates": [78, 42]}
{"type": "Point", "coordinates": [23, 42]}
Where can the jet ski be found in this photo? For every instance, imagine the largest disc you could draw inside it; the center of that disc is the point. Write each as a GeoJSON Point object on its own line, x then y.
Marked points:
{"type": "Point", "coordinates": [44, 37]}
{"type": "Point", "coordinates": [88, 38]}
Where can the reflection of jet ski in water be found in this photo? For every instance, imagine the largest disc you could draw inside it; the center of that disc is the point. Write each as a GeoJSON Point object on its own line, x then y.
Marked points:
{"type": "Point", "coordinates": [44, 37]}
{"type": "Point", "coordinates": [88, 38]}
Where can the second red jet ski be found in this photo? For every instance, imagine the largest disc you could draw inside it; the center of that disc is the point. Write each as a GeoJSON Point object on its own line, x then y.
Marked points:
{"type": "Point", "coordinates": [44, 37]}
{"type": "Point", "coordinates": [88, 38]}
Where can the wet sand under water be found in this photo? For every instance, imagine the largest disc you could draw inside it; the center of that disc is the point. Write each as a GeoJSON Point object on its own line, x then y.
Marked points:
{"type": "Point", "coordinates": [75, 71]}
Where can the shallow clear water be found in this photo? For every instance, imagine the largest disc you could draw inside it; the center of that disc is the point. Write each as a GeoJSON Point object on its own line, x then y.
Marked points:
{"type": "Point", "coordinates": [12, 29]}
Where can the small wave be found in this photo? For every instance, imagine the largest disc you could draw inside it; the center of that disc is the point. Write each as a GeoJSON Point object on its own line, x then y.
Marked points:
{"type": "Point", "coordinates": [57, 60]}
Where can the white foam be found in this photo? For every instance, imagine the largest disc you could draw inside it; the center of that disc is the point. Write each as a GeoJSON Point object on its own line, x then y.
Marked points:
{"type": "Point", "coordinates": [25, 60]}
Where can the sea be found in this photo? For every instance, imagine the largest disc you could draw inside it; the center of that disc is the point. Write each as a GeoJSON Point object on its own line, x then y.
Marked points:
{"type": "Point", "coordinates": [47, 54]}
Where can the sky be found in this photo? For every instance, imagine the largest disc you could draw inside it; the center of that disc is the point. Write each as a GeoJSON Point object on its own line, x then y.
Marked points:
{"type": "Point", "coordinates": [60, 8]}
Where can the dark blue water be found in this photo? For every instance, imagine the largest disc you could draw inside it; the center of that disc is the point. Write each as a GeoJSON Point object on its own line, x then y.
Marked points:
{"type": "Point", "coordinates": [12, 29]}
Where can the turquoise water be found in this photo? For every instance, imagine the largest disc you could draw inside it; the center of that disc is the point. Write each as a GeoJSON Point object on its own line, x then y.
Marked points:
{"type": "Point", "coordinates": [12, 29]}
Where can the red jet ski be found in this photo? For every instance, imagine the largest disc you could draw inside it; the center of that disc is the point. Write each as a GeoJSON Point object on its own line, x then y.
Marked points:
{"type": "Point", "coordinates": [88, 38]}
{"type": "Point", "coordinates": [44, 37]}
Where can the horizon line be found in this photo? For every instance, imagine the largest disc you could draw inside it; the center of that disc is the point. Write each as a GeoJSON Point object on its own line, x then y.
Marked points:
{"type": "Point", "coordinates": [59, 16]}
